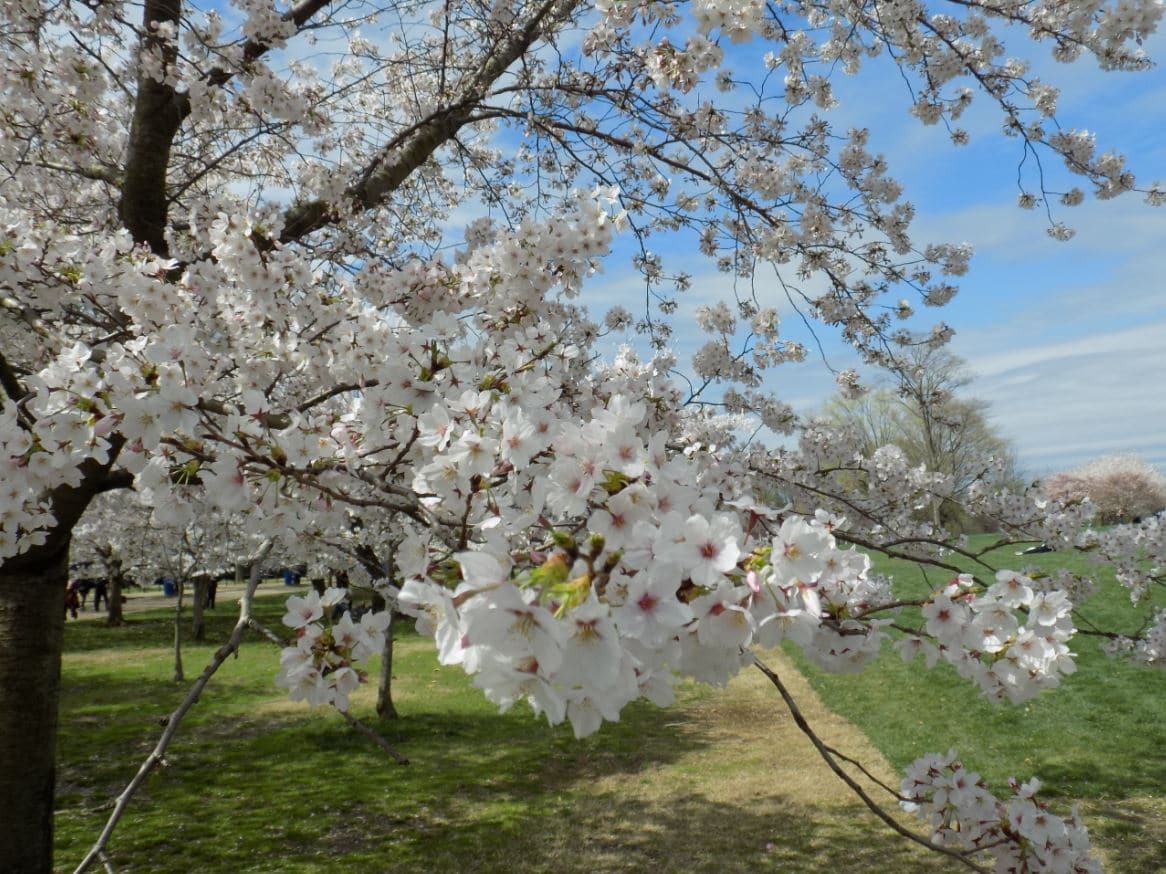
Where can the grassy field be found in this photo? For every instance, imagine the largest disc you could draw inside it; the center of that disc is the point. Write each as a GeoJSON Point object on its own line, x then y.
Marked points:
{"type": "Point", "coordinates": [1099, 738]}
{"type": "Point", "coordinates": [721, 782]}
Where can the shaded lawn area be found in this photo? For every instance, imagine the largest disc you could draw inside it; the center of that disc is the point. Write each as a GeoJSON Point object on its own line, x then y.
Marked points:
{"type": "Point", "coordinates": [1100, 738]}
{"type": "Point", "coordinates": [721, 782]}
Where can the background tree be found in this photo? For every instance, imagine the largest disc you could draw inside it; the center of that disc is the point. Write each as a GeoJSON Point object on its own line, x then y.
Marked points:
{"type": "Point", "coordinates": [936, 427]}
{"type": "Point", "coordinates": [117, 529]}
{"type": "Point", "coordinates": [1121, 488]}
{"type": "Point", "coordinates": [109, 535]}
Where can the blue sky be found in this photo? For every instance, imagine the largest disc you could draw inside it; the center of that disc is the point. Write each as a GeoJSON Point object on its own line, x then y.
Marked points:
{"type": "Point", "coordinates": [1067, 340]}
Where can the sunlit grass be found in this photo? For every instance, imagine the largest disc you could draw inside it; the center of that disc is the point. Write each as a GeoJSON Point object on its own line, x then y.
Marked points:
{"type": "Point", "coordinates": [721, 782]}
{"type": "Point", "coordinates": [1099, 738]}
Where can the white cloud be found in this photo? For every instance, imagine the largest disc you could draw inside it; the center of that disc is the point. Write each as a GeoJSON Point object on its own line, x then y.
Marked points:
{"type": "Point", "coordinates": [1063, 402]}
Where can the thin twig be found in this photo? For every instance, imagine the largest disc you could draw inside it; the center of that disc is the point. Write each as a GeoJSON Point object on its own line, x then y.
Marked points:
{"type": "Point", "coordinates": [157, 755]}
{"type": "Point", "coordinates": [255, 625]}
{"type": "Point", "coordinates": [827, 756]}
{"type": "Point", "coordinates": [373, 736]}
{"type": "Point", "coordinates": [861, 767]}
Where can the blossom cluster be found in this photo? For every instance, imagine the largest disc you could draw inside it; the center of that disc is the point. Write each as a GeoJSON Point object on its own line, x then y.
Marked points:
{"type": "Point", "coordinates": [323, 666]}
{"type": "Point", "coordinates": [646, 595]}
{"type": "Point", "coordinates": [1009, 656]}
{"type": "Point", "coordinates": [1018, 831]}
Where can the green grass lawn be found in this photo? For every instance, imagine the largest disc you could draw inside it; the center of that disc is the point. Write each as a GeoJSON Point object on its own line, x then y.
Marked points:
{"type": "Point", "coordinates": [1099, 738]}
{"type": "Point", "coordinates": [721, 782]}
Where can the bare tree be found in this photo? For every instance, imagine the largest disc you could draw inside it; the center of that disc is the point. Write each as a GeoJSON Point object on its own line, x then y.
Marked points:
{"type": "Point", "coordinates": [927, 417]}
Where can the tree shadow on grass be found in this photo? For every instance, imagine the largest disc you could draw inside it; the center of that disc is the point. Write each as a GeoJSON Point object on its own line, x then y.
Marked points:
{"type": "Point", "coordinates": [1132, 830]}
{"type": "Point", "coordinates": [271, 782]}
{"type": "Point", "coordinates": [1068, 769]}
{"type": "Point", "coordinates": [152, 629]}
{"type": "Point", "coordinates": [611, 832]}
{"type": "Point", "coordinates": [482, 795]}
{"type": "Point", "coordinates": [255, 784]}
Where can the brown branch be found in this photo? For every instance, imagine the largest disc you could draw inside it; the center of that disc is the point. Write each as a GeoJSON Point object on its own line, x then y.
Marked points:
{"type": "Point", "coordinates": [410, 149]}
{"type": "Point", "coordinates": [828, 757]}
{"type": "Point", "coordinates": [868, 544]}
{"type": "Point", "coordinates": [158, 114]}
{"type": "Point", "coordinates": [115, 479]}
{"type": "Point", "coordinates": [332, 392]}
{"type": "Point", "coordinates": [68, 503]}
{"type": "Point", "coordinates": [255, 625]}
{"type": "Point", "coordinates": [373, 736]}
{"type": "Point", "coordinates": [10, 382]}
{"type": "Point", "coordinates": [157, 756]}
{"type": "Point", "coordinates": [931, 541]}
{"type": "Point", "coordinates": [157, 117]}
{"type": "Point", "coordinates": [861, 767]}
{"type": "Point", "coordinates": [253, 49]}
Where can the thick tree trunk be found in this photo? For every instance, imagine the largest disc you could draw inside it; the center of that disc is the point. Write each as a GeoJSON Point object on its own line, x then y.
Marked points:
{"type": "Point", "coordinates": [115, 615]}
{"type": "Point", "coordinates": [32, 618]}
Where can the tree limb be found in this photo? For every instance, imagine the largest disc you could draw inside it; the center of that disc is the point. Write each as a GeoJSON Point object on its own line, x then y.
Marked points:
{"type": "Point", "coordinates": [159, 111]}
{"type": "Point", "coordinates": [158, 754]}
{"type": "Point", "coordinates": [10, 382]}
{"type": "Point", "coordinates": [828, 757]}
{"type": "Point", "coordinates": [374, 737]}
{"type": "Point", "coordinates": [413, 147]}
{"type": "Point", "coordinates": [157, 117]}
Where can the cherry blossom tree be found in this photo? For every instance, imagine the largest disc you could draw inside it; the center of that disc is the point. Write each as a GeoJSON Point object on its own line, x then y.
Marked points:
{"type": "Point", "coordinates": [118, 530]}
{"type": "Point", "coordinates": [225, 283]}
{"type": "Point", "coordinates": [1120, 488]}
{"type": "Point", "coordinates": [102, 539]}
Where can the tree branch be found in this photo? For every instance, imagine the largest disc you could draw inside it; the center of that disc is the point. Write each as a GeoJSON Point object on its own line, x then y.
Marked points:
{"type": "Point", "coordinates": [10, 383]}
{"type": "Point", "coordinates": [827, 756]}
{"type": "Point", "coordinates": [158, 754]}
{"type": "Point", "coordinates": [158, 114]}
{"type": "Point", "coordinates": [157, 117]}
{"type": "Point", "coordinates": [413, 147]}
{"type": "Point", "coordinates": [374, 737]}
{"type": "Point", "coordinates": [115, 479]}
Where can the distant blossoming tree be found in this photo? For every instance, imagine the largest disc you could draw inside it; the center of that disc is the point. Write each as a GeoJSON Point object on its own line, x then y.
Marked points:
{"type": "Point", "coordinates": [934, 424]}
{"type": "Point", "coordinates": [1121, 488]}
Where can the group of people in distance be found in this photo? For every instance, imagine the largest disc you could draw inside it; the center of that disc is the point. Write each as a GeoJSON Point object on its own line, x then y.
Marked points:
{"type": "Point", "coordinates": [77, 592]}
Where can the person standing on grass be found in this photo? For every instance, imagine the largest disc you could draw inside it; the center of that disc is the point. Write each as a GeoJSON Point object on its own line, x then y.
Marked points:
{"type": "Point", "coordinates": [72, 600]}
{"type": "Point", "coordinates": [100, 594]}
